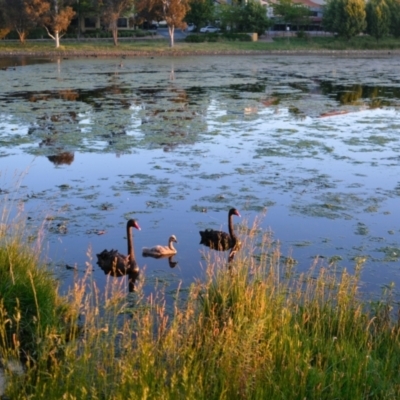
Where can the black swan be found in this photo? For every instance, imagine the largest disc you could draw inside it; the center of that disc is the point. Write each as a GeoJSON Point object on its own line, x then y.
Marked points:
{"type": "Point", "coordinates": [222, 241]}
{"type": "Point", "coordinates": [115, 264]}
{"type": "Point", "coordinates": [159, 251]}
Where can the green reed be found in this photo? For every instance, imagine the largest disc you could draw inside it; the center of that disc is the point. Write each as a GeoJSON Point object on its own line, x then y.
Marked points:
{"type": "Point", "coordinates": [252, 329]}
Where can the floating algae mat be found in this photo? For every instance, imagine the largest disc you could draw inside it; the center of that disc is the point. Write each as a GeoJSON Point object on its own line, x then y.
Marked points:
{"type": "Point", "coordinates": [307, 145]}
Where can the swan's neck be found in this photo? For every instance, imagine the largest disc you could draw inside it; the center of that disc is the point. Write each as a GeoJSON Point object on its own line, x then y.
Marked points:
{"type": "Point", "coordinates": [131, 252]}
{"type": "Point", "coordinates": [171, 245]}
{"type": "Point", "coordinates": [230, 226]}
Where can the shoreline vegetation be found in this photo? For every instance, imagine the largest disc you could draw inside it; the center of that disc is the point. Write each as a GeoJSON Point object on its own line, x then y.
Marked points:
{"type": "Point", "coordinates": [252, 329]}
{"type": "Point", "coordinates": [158, 46]}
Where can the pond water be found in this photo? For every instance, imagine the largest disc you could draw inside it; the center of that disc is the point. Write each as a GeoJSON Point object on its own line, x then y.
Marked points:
{"type": "Point", "coordinates": [309, 143]}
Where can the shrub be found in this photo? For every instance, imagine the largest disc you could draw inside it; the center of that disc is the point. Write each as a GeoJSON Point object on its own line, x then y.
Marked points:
{"type": "Point", "coordinates": [302, 34]}
{"type": "Point", "coordinates": [212, 37]}
{"type": "Point", "coordinates": [140, 34]}
{"type": "Point", "coordinates": [195, 38]}
{"type": "Point", "coordinates": [13, 35]}
{"type": "Point", "coordinates": [38, 33]}
{"type": "Point", "coordinates": [215, 37]}
{"type": "Point", "coordinates": [241, 37]}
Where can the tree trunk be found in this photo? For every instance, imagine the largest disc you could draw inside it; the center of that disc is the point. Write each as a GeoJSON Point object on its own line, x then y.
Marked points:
{"type": "Point", "coordinates": [114, 30]}
{"type": "Point", "coordinates": [57, 38]}
{"type": "Point", "coordinates": [115, 36]}
{"type": "Point", "coordinates": [22, 36]}
{"type": "Point", "coordinates": [171, 30]}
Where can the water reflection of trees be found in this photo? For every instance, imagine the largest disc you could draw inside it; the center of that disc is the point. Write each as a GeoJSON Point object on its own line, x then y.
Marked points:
{"type": "Point", "coordinates": [171, 115]}
{"type": "Point", "coordinates": [49, 127]}
{"type": "Point", "coordinates": [373, 96]}
{"type": "Point", "coordinates": [55, 125]}
{"type": "Point", "coordinates": [67, 95]}
{"type": "Point", "coordinates": [168, 115]}
{"type": "Point", "coordinates": [115, 96]}
{"type": "Point", "coordinates": [62, 158]}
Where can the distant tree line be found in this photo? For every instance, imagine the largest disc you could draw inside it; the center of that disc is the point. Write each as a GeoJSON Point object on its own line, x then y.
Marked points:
{"type": "Point", "coordinates": [55, 16]}
{"type": "Point", "coordinates": [346, 18]}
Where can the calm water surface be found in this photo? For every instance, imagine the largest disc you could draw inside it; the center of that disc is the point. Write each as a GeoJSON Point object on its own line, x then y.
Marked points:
{"type": "Point", "coordinates": [310, 143]}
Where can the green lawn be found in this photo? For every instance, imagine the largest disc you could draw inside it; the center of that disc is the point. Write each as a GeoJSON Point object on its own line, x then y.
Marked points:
{"type": "Point", "coordinates": [161, 46]}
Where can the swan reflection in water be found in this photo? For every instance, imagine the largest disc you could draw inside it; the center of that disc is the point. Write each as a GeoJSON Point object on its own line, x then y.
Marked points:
{"type": "Point", "coordinates": [116, 264]}
{"type": "Point", "coordinates": [171, 262]}
{"type": "Point", "coordinates": [132, 277]}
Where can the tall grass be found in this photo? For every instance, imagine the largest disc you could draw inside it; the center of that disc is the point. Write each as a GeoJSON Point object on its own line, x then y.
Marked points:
{"type": "Point", "coordinates": [33, 317]}
{"type": "Point", "coordinates": [29, 302]}
{"type": "Point", "coordinates": [252, 329]}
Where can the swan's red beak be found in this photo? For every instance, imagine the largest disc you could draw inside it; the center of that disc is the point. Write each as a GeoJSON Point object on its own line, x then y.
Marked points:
{"type": "Point", "coordinates": [137, 226]}
{"type": "Point", "coordinates": [237, 213]}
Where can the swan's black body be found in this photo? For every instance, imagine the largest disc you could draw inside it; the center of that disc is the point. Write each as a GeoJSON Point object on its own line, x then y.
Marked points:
{"type": "Point", "coordinates": [116, 264]}
{"type": "Point", "coordinates": [219, 240]}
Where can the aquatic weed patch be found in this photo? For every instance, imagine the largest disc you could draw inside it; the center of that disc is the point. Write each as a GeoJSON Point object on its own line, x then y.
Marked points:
{"type": "Point", "coordinates": [391, 254]}
{"type": "Point", "coordinates": [340, 205]}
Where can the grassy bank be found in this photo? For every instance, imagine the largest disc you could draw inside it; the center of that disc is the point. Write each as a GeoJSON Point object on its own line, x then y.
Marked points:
{"type": "Point", "coordinates": [157, 46]}
{"type": "Point", "coordinates": [253, 330]}
{"type": "Point", "coordinates": [31, 311]}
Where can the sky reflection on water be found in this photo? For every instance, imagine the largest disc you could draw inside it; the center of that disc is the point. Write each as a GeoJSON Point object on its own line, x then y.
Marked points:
{"type": "Point", "coordinates": [306, 140]}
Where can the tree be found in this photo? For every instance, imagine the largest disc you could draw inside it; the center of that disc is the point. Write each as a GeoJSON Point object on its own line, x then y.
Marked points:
{"type": "Point", "coordinates": [378, 18]}
{"type": "Point", "coordinates": [111, 11]}
{"type": "Point", "coordinates": [229, 15]}
{"type": "Point", "coordinates": [174, 12]}
{"type": "Point", "coordinates": [244, 17]}
{"type": "Point", "coordinates": [350, 18]}
{"type": "Point", "coordinates": [54, 15]}
{"type": "Point", "coordinates": [201, 12]}
{"type": "Point", "coordinates": [394, 6]}
{"type": "Point", "coordinates": [5, 27]}
{"type": "Point", "coordinates": [329, 15]}
{"type": "Point", "coordinates": [148, 10]}
{"type": "Point", "coordinates": [345, 17]}
{"type": "Point", "coordinates": [84, 8]}
{"type": "Point", "coordinates": [18, 15]}
{"type": "Point", "coordinates": [253, 18]}
{"type": "Point", "coordinates": [292, 13]}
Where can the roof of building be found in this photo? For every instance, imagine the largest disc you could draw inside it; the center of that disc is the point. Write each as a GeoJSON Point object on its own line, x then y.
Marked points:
{"type": "Point", "coordinates": [309, 3]}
